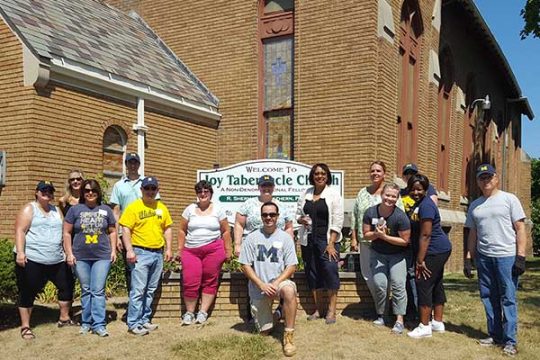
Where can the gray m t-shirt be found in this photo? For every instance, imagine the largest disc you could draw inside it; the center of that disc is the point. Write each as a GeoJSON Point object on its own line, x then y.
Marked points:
{"type": "Point", "coordinates": [269, 255]}
{"type": "Point", "coordinates": [493, 220]}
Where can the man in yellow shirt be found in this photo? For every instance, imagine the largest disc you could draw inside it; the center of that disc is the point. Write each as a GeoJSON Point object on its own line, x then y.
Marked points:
{"type": "Point", "coordinates": [147, 230]}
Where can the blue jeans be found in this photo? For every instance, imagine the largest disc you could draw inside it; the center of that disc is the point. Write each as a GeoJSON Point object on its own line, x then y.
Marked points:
{"type": "Point", "coordinates": [92, 275]}
{"type": "Point", "coordinates": [145, 277]}
{"type": "Point", "coordinates": [498, 293]}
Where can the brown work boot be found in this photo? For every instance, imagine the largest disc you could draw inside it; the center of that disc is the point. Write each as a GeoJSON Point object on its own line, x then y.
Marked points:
{"type": "Point", "coordinates": [289, 349]}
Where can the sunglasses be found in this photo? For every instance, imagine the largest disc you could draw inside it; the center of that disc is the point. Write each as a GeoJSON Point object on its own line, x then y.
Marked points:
{"type": "Point", "coordinates": [47, 191]}
{"type": "Point", "coordinates": [150, 188]}
{"type": "Point", "coordinates": [87, 191]}
{"type": "Point", "coordinates": [271, 215]}
{"type": "Point", "coordinates": [76, 179]}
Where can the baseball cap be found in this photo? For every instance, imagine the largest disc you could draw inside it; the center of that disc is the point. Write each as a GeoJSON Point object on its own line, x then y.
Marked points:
{"type": "Point", "coordinates": [149, 180]}
{"type": "Point", "coordinates": [133, 156]}
{"type": "Point", "coordinates": [45, 185]}
{"type": "Point", "coordinates": [266, 180]}
{"type": "Point", "coordinates": [410, 168]}
{"type": "Point", "coordinates": [485, 169]}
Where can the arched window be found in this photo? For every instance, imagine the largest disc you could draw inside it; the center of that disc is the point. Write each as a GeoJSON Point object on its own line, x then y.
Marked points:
{"type": "Point", "coordinates": [114, 148]}
{"type": "Point", "coordinates": [411, 29]}
{"type": "Point", "coordinates": [444, 117]}
{"type": "Point", "coordinates": [468, 176]}
{"type": "Point", "coordinates": [276, 78]}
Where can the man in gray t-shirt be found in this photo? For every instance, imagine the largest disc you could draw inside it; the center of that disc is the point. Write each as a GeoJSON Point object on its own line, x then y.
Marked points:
{"type": "Point", "coordinates": [268, 260]}
{"type": "Point", "coordinates": [497, 241]}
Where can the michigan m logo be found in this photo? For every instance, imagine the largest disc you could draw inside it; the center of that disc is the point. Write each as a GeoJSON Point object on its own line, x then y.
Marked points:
{"type": "Point", "coordinates": [267, 253]}
{"type": "Point", "coordinates": [91, 239]}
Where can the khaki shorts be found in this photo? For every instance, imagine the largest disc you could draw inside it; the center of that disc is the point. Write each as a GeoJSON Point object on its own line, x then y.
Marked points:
{"type": "Point", "coordinates": [261, 309]}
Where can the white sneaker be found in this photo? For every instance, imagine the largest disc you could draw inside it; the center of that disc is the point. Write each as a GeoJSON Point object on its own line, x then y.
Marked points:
{"type": "Point", "coordinates": [201, 317]}
{"type": "Point", "coordinates": [379, 321]}
{"type": "Point", "coordinates": [421, 331]}
{"type": "Point", "coordinates": [437, 326]}
{"type": "Point", "coordinates": [188, 318]}
{"type": "Point", "coordinates": [150, 327]}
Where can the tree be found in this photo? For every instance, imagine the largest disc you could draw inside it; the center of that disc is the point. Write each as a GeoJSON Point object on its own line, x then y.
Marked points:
{"type": "Point", "coordinates": [531, 15]}
{"type": "Point", "coordinates": [535, 203]}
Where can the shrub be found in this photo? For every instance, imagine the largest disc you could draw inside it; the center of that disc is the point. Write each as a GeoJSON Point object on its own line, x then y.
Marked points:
{"type": "Point", "coordinates": [8, 282]}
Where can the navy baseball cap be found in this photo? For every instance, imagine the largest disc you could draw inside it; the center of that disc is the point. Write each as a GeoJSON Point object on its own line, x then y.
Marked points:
{"type": "Point", "coordinates": [149, 181]}
{"type": "Point", "coordinates": [133, 156]}
{"type": "Point", "coordinates": [45, 185]}
{"type": "Point", "coordinates": [485, 169]}
{"type": "Point", "coordinates": [266, 180]}
{"type": "Point", "coordinates": [410, 168]}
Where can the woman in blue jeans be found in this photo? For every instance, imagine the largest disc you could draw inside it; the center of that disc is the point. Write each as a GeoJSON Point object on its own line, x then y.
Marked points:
{"type": "Point", "coordinates": [91, 253]}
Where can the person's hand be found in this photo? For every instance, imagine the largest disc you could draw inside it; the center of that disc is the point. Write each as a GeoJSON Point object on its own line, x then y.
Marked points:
{"type": "Point", "coordinates": [119, 246]}
{"type": "Point", "coordinates": [179, 255]}
{"type": "Point", "coordinates": [467, 268]}
{"type": "Point", "coordinates": [519, 266]}
{"type": "Point", "coordinates": [304, 220]}
{"type": "Point", "coordinates": [354, 245]}
{"type": "Point", "coordinates": [237, 248]}
{"type": "Point", "coordinates": [269, 289]}
{"type": "Point", "coordinates": [131, 257]}
{"type": "Point", "coordinates": [168, 255]}
{"type": "Point", "coordinates": [113, 257]}
{"type": "Point", "coordinates": [380, 231]}
{"type": "Point", "coordinates": [70, 259]}
{"type": "Point", "coordinates": [332, 253]}
{"type": "Point", "coordinates": [21, 259]}
{"type": "Point", "coordinates": [422, 271]}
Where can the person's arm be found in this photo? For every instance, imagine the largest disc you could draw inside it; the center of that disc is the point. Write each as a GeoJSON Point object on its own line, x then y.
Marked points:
{"type": "Point", "coordinates": [226, 235]}
{"type": "Point", "coordinates": [356, 223]}
{"type": "Point", "coordinates": [113, 238]}
{"type": "Point", "coordinates": [68, 248]}
{"type": "Point", "coordinates": [167, 234]}
{"type": "Point", "coordinates": [239, 225]}
{"type": "Point", "coordinates": [286, 274]}
{"type": "Point", "coordinates": [401, 240]}
{"type": "Point", "coordinates": [426, 226]}
{"type": "Point", "coordinates": [521, 237]}
{"type": "Point", "coordinates": [116, 213]}
{"type": "Point", "coordinates": [268, 289]}
{"type": "Point", "coordinates": [22, 224]}
{"type": "Point", "coordinates": [336, 224]}
{"type": "Point", "coordinates": [369, 234]}
{"type": "Point", "coordinates": [182, 231]}
{"type": "Point", "coordinates": [435, 199]}
{"type": "Point", "coordinates": [289, 228]}
{"type": "Point", "coordinates": [471, 244]}
{"type": "Point", "coordinates": [126, 239]}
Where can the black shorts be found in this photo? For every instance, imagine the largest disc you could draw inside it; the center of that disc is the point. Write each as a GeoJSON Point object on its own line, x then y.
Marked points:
{"type": "Point", "coordinates": [431, 291]}
{"type": "Point", "coordinates": [32, 278]}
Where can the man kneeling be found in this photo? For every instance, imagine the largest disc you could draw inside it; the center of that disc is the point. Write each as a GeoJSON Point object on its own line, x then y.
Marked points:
{"type": "Point", "coordinates": [268, 260]}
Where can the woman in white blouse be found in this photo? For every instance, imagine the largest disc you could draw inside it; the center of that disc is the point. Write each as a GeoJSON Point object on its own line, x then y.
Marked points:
{"type": "Point", "coordinates": [320, 211]}
{"type": "Point", "coordinates": [204, 243]}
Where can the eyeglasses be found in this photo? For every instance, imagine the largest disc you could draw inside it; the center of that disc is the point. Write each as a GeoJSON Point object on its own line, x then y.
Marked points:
{"type": "Point", "coordinates": [272, 215]}
{"type": "Point", "coordinates": [87, 191]}
{"type": "Point", "coordinates": [76, 179]}
{"type": "Point", "coordinates": [205, 191]}
{"type": "Point", "coordinates": [150, 188]}
{"type": "Point", "coordinates": [486, 177]}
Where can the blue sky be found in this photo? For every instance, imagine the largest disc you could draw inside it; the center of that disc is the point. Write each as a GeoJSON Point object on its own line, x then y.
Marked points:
{"type": "Point", "coordinates": [505, 22]}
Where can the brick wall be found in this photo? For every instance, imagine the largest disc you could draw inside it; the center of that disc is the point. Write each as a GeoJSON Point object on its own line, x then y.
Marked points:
{"type": "Point", "coordinates": [232, 300]}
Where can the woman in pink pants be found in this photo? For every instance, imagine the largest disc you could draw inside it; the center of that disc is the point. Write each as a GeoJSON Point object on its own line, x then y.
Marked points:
{"type": "Point", "coordinates": [204, 243]}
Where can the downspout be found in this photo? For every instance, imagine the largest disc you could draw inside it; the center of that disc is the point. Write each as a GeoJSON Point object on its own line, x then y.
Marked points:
{"type": "Point", "coordinates": [141, 130]}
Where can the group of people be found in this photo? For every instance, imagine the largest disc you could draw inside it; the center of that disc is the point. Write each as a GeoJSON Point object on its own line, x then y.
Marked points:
{"type": "Point", "coordinates": [403, 250]}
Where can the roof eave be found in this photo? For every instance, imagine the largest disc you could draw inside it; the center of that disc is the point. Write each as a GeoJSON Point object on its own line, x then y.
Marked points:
{"type": "Point", "coordinates": [76, 74]}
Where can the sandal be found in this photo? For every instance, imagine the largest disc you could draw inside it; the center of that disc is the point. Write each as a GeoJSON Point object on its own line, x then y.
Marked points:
{"type": "Point", "coordinates": [330, 320]}
{"type": "Point", "coordinates": [314, 316]}
{"type": "Point", "coordinates": [27, 334]}
{"type": "Point", "coordinates": [68, 322]}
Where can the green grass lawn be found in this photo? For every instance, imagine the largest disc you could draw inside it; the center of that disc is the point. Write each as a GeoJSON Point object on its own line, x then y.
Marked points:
{"type": "Point", "coordinates": [232, 339]}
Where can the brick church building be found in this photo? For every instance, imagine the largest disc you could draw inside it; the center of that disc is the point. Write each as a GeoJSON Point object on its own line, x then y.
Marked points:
{"type": "Point", "coordinates": [195, 83]}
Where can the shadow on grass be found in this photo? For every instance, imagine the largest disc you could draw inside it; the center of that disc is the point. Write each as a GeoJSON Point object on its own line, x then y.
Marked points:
{"type": "Point", "coordinates": [276, 333]}
{"type": "Point", "coordinates": [41, 314]}
{"type": "Point", "coordinates": [466, 330]}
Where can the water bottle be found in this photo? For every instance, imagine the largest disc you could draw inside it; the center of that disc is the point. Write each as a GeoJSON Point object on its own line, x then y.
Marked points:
{"type": "Point", "coordinates": [350, 263]}
{"type": "Point", "coordinates": [309, 223]}
{"type": "Point", "coordinates": [381, 222]}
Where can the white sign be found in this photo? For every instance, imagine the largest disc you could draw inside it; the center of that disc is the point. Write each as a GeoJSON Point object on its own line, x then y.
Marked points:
{"type": "Point", "coordinates": [236, 183]}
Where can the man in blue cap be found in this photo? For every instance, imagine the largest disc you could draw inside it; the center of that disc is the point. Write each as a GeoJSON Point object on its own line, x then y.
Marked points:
{"type": "Point", "coordinates": [497, 241]}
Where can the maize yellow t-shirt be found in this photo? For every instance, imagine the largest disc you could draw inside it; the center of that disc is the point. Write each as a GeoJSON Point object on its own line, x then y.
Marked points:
{"type": "Point", "coordinates": [147, 223]}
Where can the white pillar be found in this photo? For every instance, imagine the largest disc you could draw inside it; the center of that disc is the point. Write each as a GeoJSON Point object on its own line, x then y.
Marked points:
{"type": "Point", "coordinates": [141, 132]}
